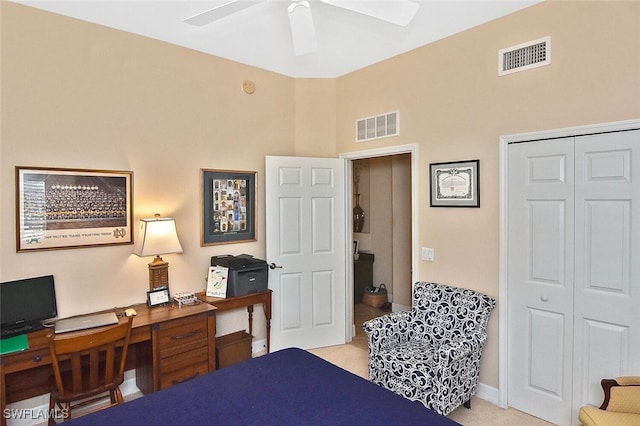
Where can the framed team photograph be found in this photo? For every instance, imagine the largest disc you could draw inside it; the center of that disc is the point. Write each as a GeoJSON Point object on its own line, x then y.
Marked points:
{"type": "Point", "coordinates": [228, 207]}
{"type": "Point", "coordinates": [455, 184]}
{"type": "Point", "coordinates": [70, 208]}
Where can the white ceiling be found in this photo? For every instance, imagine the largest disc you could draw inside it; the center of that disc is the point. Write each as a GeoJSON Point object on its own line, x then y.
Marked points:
{"type": "Point", "coordinates": [260, 35]}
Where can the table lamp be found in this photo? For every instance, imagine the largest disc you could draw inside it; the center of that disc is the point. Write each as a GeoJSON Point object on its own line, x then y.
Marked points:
{"type": "Point", "coordinates": [156, 237]}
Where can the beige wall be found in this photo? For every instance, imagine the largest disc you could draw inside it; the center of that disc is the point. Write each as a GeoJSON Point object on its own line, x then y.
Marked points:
{"type": "Point", "coordinates": [84, 96]}
{"type": "Point", "coordinates": [380, 218]}
{"type": "Point", "coordinates": [315, 117]}
{"type": "Point", "coordinates": [401, 177]}
{"type": "Point", "coordinates": [455, 107]}
{"type": "Point", "coordinates": [80, 95]}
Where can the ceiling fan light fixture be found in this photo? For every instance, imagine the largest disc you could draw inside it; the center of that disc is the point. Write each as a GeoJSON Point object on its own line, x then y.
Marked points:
{"type": "Point", "coordinates": [303, 30]}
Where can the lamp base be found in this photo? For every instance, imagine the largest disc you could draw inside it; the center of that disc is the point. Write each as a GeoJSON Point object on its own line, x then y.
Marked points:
{"type": "Point", "coordinates": [158, 273]}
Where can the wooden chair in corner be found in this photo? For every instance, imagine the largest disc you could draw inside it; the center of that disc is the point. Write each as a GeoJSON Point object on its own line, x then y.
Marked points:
{"type": "Point", "coordinates": [88, 368]}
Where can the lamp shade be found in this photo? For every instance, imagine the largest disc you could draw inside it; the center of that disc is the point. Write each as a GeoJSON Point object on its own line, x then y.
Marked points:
{"type": "Point", "coordinates": [156, 237]}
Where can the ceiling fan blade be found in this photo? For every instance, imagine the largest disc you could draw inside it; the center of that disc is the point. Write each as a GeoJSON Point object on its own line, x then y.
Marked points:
{"type": "Point", "coordinates": [302, 29]}
{"type": "Point", "coordinates": [221, 11]}
{"type": "Point", "coordinates": [399, 12]}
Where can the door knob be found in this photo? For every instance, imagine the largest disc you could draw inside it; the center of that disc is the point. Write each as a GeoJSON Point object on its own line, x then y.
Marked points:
{"type": "Point", "coordinates": [544, 298]}
{"type": "Point", "coordinates": [274, 266]}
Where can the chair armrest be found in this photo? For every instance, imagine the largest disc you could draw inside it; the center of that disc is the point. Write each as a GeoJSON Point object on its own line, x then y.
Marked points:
{"type": "Point", "coordinates": [622, 394]}
{"type": "Point", "coordinates": [454, 350]}
{"type": "Point", "coordinates": [387, 330]}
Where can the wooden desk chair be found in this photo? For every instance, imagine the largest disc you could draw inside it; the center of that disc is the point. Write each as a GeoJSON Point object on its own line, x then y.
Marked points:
{"type": "Point", "coordinates": [96, 368]}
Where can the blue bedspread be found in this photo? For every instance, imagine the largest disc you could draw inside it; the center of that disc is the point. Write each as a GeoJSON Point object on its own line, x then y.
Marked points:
{"type": "Point", "coordinates": [288, 387]}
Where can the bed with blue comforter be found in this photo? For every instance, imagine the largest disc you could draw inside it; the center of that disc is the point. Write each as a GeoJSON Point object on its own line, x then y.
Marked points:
{"type": "Point", "coordinates": [287, 387]}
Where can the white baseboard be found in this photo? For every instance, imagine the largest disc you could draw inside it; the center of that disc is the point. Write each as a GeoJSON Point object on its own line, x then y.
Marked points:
{"type": "Point", "coordinates": [129, 386]}
{"type": "Point", "coordinates": [489, 394]}
{"type": "Point", "coordinates": [258, 347]}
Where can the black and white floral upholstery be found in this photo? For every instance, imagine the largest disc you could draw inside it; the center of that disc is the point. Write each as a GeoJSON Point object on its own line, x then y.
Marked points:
{"type": "Point", "coordinates": [432, 353]}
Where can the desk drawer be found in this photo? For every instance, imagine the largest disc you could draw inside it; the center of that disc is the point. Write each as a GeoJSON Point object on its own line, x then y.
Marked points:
{"type": "Point", "coordinates": [28, 359]}
{"type": "Point", "coordinates": [179, 368]}
{"type": "Point", "coordinates": [36, 355]}
{"type": "Point", "coordinates": [182, 335]}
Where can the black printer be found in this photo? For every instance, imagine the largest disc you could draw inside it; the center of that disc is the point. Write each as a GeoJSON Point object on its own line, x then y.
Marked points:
{"type": "Point", "coordinates": [246, 273]}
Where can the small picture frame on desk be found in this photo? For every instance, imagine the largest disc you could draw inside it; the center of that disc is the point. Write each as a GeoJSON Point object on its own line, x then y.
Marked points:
{"type": "Point", "coordinates": [158, 297]}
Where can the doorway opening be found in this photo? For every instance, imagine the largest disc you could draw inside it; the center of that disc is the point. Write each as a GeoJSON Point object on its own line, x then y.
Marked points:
{"type": "Point", "coordinates": [385, 181]}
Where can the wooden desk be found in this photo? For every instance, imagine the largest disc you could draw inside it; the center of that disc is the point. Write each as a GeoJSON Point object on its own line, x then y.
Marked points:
{"type": "Point", "coordinates": [247, 300]}
{"type": "Point", "coordinates": [168, 345]}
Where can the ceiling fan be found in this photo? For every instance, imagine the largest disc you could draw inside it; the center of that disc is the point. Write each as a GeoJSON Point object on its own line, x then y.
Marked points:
{"type": "Point", "coordinates": [399, 12]}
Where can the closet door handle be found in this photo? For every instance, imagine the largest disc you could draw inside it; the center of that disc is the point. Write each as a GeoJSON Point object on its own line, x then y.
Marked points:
{"type": "Point", "coordinates": [544, 298]}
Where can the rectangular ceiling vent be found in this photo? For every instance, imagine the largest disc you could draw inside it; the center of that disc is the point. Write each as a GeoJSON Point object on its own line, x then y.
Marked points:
{"type": "Point", "coordinates": [533, 54]}
{"type": "Point", "coordinates": [379, 126]}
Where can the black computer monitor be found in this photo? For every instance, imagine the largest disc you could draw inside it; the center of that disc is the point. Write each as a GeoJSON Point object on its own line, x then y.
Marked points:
{"type": "Point", "coordinates": [25, 303]}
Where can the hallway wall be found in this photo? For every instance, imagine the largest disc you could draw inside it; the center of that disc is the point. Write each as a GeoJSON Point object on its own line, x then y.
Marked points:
{"type": "Point", "coordinates": [385, 187]}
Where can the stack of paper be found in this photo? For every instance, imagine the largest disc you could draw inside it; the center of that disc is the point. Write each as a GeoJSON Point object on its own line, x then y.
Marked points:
{"type": "Point", "coordinates": [217, 281]}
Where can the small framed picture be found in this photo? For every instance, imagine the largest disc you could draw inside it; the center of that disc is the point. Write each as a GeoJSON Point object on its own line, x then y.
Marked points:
{"type": "Point", "coordinates": [228, 207]}
{"type": "Point", "coordinates": [455, 184]}
{"type": "Point", "coordinates": [158, 297]}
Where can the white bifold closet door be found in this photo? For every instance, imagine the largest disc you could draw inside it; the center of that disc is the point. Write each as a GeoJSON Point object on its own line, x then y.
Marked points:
{"type": "Point", "coordinates": [573, 270]}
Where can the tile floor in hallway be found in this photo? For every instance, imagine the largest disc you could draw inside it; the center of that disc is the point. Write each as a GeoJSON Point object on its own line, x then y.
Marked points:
{"type": "Point", "coordinates": [362, 313]}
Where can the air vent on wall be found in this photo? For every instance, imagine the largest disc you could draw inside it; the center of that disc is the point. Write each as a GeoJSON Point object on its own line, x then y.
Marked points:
{"type": "Point", "coordinates": [379, 126]}
{"type": "Point", "coordinates": [533, 54]}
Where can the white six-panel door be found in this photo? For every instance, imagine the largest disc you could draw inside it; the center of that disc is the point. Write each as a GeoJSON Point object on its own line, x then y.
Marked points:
{"type": "Point", "coordinates": [573, 270]}
{"type": "Point", "coordinates": [306, 221]}
{"type": "Point", "coordinates": [607, 263]}
{"type": "Point", "coordinates": [540, 278]}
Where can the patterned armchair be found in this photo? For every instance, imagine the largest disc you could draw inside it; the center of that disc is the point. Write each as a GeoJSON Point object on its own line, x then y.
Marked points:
{"type": "Point", "coordinates": [431, 354]}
